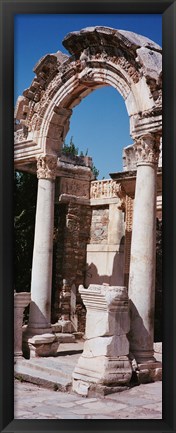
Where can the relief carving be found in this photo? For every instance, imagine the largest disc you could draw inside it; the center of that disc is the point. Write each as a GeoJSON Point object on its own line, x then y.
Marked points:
{"type": "Point", "coordinates": [155, 89]}
{"type": "Point", "coordinates": [147, 149]}
{"type": "Point", "coordinates": [106, 189]}
{"type": "Point", "coordinates": [21, 135]}
{"type": "Point", "coordinates": [46, 167]}
{"type": "Point", "coordinates": [74, 187]}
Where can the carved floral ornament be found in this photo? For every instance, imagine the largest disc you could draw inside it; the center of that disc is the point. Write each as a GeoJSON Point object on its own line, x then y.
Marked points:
{"type": "Point", "coordinates": [46, 167]}
{"type": "Point", "coordinates": [147, 149]}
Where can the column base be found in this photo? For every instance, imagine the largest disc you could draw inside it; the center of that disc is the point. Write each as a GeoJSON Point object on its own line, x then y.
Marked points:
{"type": "Point", "coordinates": [101, 375]}
{"type": "Point", "coordinates": [18, 354]}
{"type": "Point", "coordinates": [38, 345]}
{"type": "Point", "coordinates": [30, 331]}
{"type": "Point", "coordinates": [147, 372]}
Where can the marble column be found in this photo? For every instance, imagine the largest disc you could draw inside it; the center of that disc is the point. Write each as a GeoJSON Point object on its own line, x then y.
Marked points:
{"type": "Point", "coordinates": [142, 264]}
{"type": "Point", "coordinates": [40, 308]}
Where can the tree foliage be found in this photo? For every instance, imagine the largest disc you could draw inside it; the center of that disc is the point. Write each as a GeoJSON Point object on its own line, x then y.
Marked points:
{"type": "Point", "coordinates": [25, 194]}
{"type": "Point", "coordinates": [72, 150]}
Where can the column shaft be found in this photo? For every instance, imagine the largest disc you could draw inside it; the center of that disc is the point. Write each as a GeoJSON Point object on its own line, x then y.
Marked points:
{"type": "Point", "coordinates": [41, 282]}
{"type": "Point", "coordinates": [142, 263]}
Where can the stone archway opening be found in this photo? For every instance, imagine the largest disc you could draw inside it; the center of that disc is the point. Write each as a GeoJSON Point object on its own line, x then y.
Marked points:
{"type": "Point", "coordinates": [99, 126]}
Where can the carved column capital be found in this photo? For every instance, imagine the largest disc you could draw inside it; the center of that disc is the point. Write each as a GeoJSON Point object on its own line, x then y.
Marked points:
{"type": "Point", "coordinates": [46, 167]}
{"type": "Point", "coordinates": [147, 149]}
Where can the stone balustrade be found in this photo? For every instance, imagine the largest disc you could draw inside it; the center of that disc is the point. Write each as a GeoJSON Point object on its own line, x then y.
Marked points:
{"type": "Point", "coordinates": [107, 188]}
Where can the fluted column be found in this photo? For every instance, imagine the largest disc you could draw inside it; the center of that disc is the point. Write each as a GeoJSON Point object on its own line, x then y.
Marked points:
{"type": "Point", "coordinates": [40, 308]}
{"type": "Point", "coordinates": [142, 263]}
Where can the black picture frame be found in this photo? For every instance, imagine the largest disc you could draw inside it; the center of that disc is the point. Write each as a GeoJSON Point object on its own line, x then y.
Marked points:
{"type": "Point", "coordinates": [168, 10]}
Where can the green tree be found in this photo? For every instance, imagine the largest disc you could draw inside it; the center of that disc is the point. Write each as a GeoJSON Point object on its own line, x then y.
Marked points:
{"type": "Point", "coordinates": [25, 195]}
{"type": "Point", "coordinates": [70, 149]}
{"type": "Point", "coordinates": [95, 171]}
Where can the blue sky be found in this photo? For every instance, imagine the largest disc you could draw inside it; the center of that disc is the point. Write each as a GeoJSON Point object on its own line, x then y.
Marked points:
{"type": "Point", "coordinates": [100, 122]}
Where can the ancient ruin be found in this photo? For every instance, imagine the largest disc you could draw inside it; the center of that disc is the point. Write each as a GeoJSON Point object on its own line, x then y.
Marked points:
{"type": "Point", "coordinates": [106, 234]}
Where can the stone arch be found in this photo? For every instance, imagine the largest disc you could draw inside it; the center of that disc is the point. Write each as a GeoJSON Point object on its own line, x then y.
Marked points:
{"type": "Point", "coordinates": [100, 56]}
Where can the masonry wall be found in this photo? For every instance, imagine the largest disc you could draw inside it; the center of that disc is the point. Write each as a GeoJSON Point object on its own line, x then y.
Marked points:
{"type": "Point", "coordinates": [72, 233]}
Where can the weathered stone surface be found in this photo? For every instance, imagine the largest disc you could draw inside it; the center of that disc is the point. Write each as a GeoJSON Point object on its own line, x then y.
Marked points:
{"type": "Point", "coordinates": [125, 60]}
{"type": "Point", "coordinates": [105, 358]}
{"type": "Point", "coordinates": [89, 34]}
{"type": "Point", "coordinates": [42, 345]}
{"type": "Point", "coordinates": [99, 225]}
{"type": "Point", "coordinates": [103, 370]}
{"type": "Point", "coordinates": [66, 325]}
{"type": "Point", "coordinates": [72, 228]}
{"type": "Point", "coordinates": [140, 40]}
{"type": "Point", "coordinates": [40, 308]}
{"type": "Point", "coordinates": [152, 61]}
{"type": "Point", "coordinates": [106, 346]}
{"type": "Point", "coordinates": [41, 339]}
{"type": "Point", "coordinates": [21, 300]}
{"type": "Point", "coordinates": [157, 347]}
{"type": "Point", "coordinates": [102, 323]}
{"type": "Point", "coordinates": [147, 373]}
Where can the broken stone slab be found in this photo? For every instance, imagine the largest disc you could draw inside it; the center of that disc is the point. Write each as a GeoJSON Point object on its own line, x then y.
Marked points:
{"type": "Point", "coordinates": [147, 374]}
{"type": "Point", "coordinates": [56, 327]}
{"type": "Point", "coordinates": [96, 390]}
{"type": "Point", "coordinates": [41, 345]}
{"type": "Point", "coordinates": [66, 326]}
{"type": "Point", "coordinates": [104, 360]}
{"type": "Point", "coordinates": [65, 337]}
{"type": "Point", "coordinates": [21, 300]}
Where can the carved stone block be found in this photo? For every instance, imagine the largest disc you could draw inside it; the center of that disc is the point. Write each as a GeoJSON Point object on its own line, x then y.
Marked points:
{"type": "Point", "coordinates": [104, 360]}
{"type": "Point", "coordinates": [43, 345]}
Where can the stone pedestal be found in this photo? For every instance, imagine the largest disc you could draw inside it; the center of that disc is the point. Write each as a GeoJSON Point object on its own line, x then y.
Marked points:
{"type": "Point", "coordinates": [43, 345]}
{"type": "Point", "coordinates": [104, 364]}
{"type": "Point", "coordinates": [21, 300]}
{"type": "Point", "coordinates": [142, 264]}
